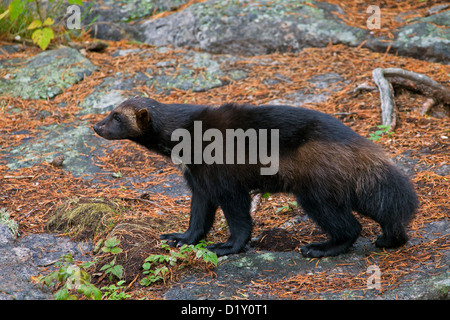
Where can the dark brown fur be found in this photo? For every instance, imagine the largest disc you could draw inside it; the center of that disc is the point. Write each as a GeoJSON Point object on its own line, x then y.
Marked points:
{"type": "Point", "coordinates": [330, 169]}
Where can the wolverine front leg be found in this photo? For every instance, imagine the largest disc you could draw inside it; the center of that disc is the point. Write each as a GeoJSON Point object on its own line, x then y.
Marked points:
{"type": "Point", "coordinates": [201, 221]}
{"type": "Point", "coordinates": [236, 208]}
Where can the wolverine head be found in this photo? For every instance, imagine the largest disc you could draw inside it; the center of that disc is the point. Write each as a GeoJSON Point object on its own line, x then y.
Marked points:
{"type": "Point", "coordinates": [128, 120]}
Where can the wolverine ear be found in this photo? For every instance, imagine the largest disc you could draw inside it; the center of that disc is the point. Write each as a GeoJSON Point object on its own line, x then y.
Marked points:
{"type": "Point", "coordinates": [143, 118]}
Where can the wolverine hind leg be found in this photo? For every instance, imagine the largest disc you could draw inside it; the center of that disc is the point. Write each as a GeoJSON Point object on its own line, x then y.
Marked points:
{"type": "Point", "coordinates": [336, 221]}
{"type": "Point", "coordinates": [391, 201]}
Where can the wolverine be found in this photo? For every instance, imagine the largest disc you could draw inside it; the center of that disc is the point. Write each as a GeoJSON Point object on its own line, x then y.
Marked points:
{"type": "Point", "coordinates": [331, 170]}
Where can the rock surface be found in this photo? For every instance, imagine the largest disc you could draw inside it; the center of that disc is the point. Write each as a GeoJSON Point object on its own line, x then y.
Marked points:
{"type": "Point", "coordinates": [25, 257]}
{"type": "Point", "coordinates": [45, 75]}
{"type": "Point", "coordinates": [250, 28]}
{"type": "Point", "coordinates": [238, 276]}
{"type": "Point", "coordinates": [422, 38]}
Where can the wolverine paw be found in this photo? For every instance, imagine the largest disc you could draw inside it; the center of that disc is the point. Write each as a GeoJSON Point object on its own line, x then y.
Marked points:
{"type": "Point", "coordinates": [384, 241]}
{"type": "Point", "coordinates": [176, 239]}
{"type": "Point", "coordinates": [325, 249]}
{"type": "Point", "coordinates": [226, 248]}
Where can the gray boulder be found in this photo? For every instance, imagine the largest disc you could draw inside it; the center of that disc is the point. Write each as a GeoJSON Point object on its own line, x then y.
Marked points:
{"type": "Point", "coordinates": [110, 19]}
{"type": "Point", "coordinates": [251, 28]}
{"type": "Point", "coordinates": [44, 75]}
{"type": "Point", "coordinates": [423, 38]}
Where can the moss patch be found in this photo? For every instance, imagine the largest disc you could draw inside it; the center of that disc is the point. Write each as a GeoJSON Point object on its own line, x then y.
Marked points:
{"type": "Point", "coordinates": [82, 219]}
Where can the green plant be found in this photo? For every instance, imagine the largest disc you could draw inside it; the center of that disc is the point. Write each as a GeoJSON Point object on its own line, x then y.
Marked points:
{"type": "Point", "coordinates": [71, 278]}
{"type": "Point", "coordinates": [117, 175]}
{"type": "Point", "coordinates": [111, 246]}
{"type": "Point", "coordinates": [288, 207]}
{"type": "Point", "coordinates": [12, 225]}
{"type": "Point", "coordinates": [113, 269]}
{"type": "Point", "coordinates": [114, 292]}
{"type": "Point", "coordinates": [23, 18]}
{"type": "Point", "coordinates": [153, 276]}
{"type": "Point", "coordinates": [157, 266]}
{"type": "Point", "coordinates": [378, 133]}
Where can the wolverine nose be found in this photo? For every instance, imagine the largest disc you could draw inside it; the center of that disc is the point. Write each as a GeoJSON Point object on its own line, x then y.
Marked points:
{"type": "Point", "coordinates": [96, 128]}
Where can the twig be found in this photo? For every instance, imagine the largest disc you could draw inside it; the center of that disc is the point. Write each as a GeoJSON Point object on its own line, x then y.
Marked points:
{"type": "Point", "coordinates": [255, 202]}
{"type": "Point", "coordinates": [364, 87]}
{"type": "Point", "coordinates": [131, 283]}
{"type": "Point", "coordinates": [427, 106]}
{"type": "Point", "coordinates": [421, 82]}
{"type": "Point", "coordinates": [343, 113]}
{"type": "Point", "coordinates": [388, 112]}
{"type": "Point", "coordinates": [18, 177]}
{"type": "Point", "coordinates": [410, 80]}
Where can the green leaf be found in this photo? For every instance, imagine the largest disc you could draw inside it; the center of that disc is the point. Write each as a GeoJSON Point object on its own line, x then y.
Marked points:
{"type": "Point", "coordinates": [266, 195]}
{"type": "Point", "coordinates": [96, 293]}
{"type": "Point", "coordinates": [146, 266]}
{"type": "Point", "coordinates": [106, 266]}
{"type": "Point", "coordinates": [78, 2]}
{"type": "Point", "coordinates": [4, 14]}
{"type": "Point", "coordinates": [89, 263]}
{"type": "Point", "coordinates": [49, 22]}
{"type": "Point", "coordinates": [117, 175]}
{"type": "Point", "coordinates": [117, 271]}
{"type": "Point", "coordinates": [286, 207]}
{"type": "Point", "coordinates": [61, 294]}
{"type": "Point", "coordinates": [15, 9]}
{"type": "Point", "coordinates": [35, 24]}
{"type": "Point", "coordinates": [116, 250]}
{"type": "Point", "coordinates": [210, 256]}
{"type": "Point", "coordinates": [112, 242]}
{"type": "Point", "coordinates": [43, 37]}
{"type": "Point", "coordinates": [145, 282]}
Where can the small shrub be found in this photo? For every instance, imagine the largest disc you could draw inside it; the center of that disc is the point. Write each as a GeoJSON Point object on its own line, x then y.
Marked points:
{"type": "Point", "coordinates": [71, 278]}
{"type": "Point", "coordinates": [23, 17]}
{"type": "Point", "coordinates": [114, 292]}
{"type": "Point", "coordinates": [378, 133]}
{"type": "Point", "coordinates": [157, 267]}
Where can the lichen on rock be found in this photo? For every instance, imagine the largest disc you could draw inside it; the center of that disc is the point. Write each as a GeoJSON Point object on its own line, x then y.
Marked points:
{"type": "Point", "coordinates": [245, 27]}
{"type": "Point", "coordinates": [45, 75]}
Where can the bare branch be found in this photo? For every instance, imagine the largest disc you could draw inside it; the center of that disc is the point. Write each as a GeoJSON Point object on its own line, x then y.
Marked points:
{"type": "Point", "coordinates": [388, 111]}
{"type": "Point", "coordinates": [384, 78]}
{"type": "Point", "coordinates": [420, 82]}
{"type": "Point", "coordinates": [255, 202]}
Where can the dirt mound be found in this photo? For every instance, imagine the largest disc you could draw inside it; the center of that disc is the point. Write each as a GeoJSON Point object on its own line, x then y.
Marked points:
{"type": "Point", "coordinates": [138, 240]}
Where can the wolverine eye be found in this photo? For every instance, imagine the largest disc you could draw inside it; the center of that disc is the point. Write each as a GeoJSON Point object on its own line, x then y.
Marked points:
{"type": "Point", "coordinates": [117, 117]}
